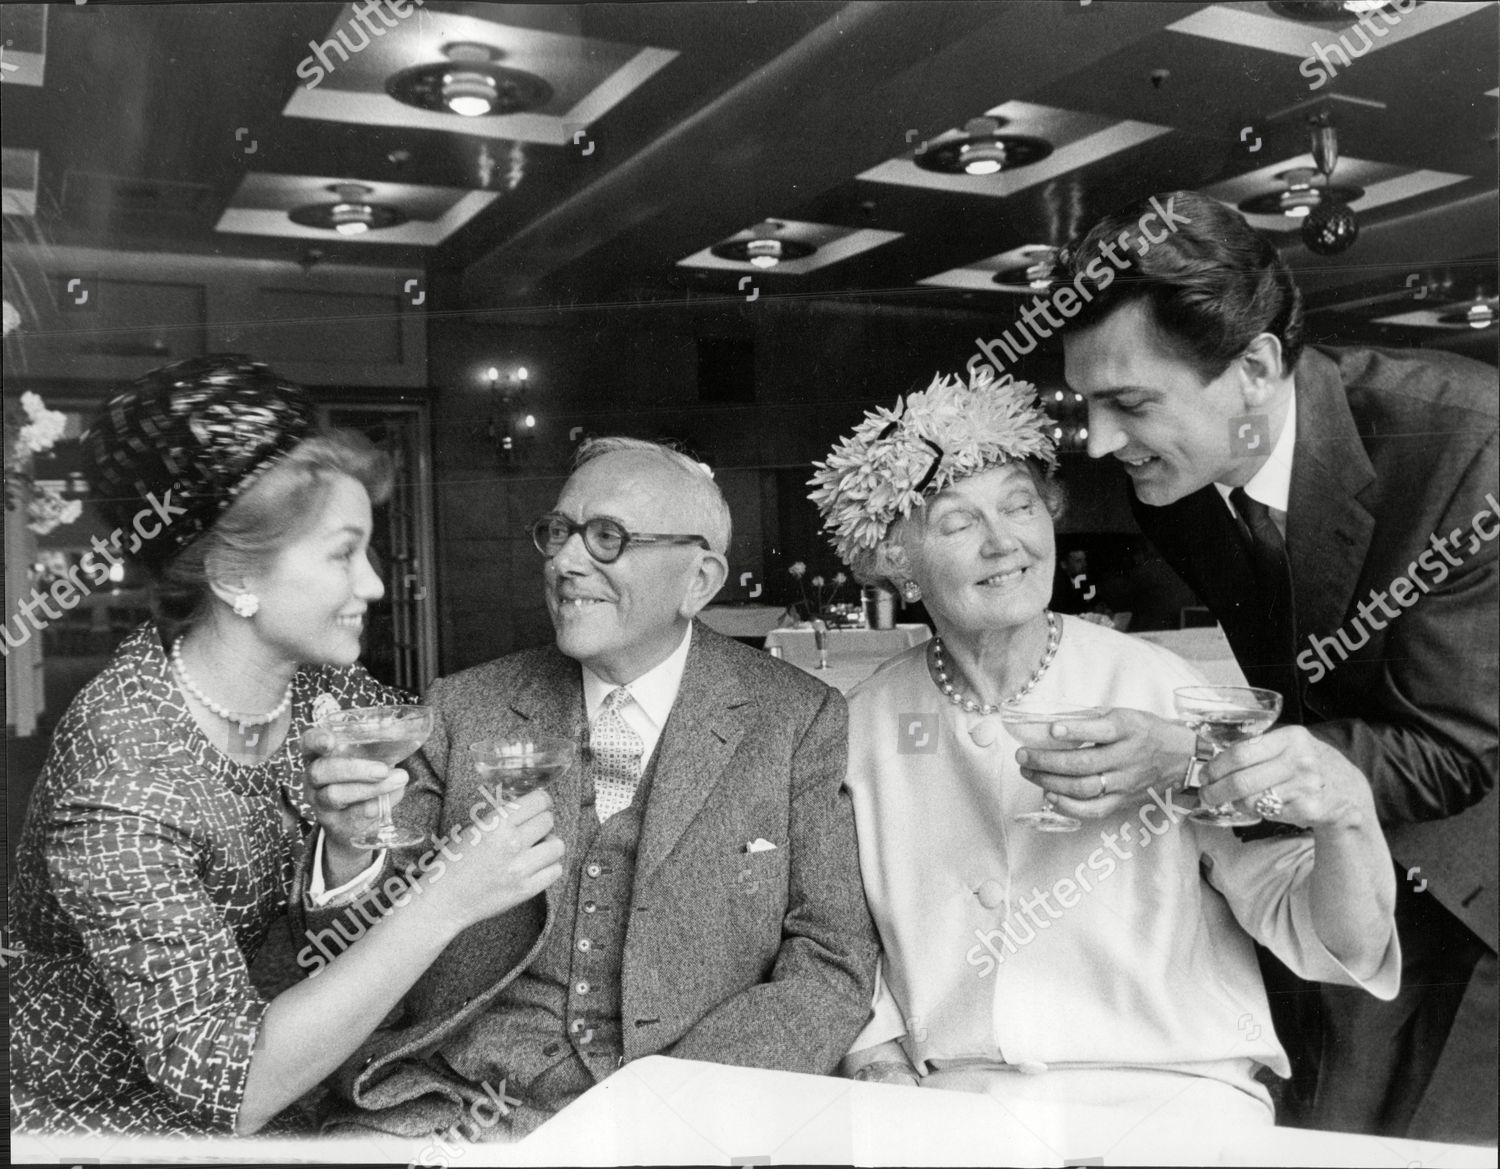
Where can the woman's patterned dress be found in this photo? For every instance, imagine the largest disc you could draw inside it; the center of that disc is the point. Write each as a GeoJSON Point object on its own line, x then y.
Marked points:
{"type": "Point", "coordinates": [151, 869]}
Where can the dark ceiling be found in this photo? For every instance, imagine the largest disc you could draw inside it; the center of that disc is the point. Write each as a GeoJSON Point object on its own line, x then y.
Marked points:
{"type": "Point", "coordinates": [674, 126]}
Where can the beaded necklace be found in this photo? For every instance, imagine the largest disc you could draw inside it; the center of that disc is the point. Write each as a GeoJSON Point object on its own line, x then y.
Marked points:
{"type": "Point", "coordinates": [242, 720]}
{"type": "Point", "coordinates": [945, 683]}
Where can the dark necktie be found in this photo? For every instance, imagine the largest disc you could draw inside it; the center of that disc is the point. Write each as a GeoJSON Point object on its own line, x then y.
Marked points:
{"type": "Point", "coordinates": [1273, 581]}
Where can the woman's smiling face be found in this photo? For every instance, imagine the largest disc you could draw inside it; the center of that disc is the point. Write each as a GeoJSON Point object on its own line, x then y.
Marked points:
{"type": "Point", "coordinates": [982, 551]}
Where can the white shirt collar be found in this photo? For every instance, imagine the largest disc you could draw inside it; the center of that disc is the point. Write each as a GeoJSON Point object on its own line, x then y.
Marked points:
{"type": "Point", "coordinates": [1272, 484]}
{"type": "Point", "coordinates": [655, 691]}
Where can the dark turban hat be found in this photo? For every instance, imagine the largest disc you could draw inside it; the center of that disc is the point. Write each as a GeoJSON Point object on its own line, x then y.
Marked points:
{"type": "Point", "coordinates": [184, 442]}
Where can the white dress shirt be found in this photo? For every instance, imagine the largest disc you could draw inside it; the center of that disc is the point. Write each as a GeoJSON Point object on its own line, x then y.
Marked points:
{"type": "Point", "coordinates": [654, 694]}
{"type": "Point", "coordinates": [1272, 484]}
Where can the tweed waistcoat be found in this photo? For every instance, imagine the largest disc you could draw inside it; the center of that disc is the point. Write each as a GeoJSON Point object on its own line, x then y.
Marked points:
{"type": "Point", "coordinates": [566, 1004]}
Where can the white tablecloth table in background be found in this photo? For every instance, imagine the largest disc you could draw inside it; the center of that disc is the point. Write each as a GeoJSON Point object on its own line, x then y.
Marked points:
{"type": "Point", "coordinates": [1206, 647]}
{"type": "Point", "coordinates": [853, 654]}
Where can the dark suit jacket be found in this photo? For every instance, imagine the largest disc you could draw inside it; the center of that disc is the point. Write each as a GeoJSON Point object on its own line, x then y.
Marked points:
{"type": "Point", "coordinates": [1392, 449]}
{"type": "Point", "coordinates": [764, 959]}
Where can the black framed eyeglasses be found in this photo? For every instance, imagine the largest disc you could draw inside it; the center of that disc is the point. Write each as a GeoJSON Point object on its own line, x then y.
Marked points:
{"type": "Point", "coordinates": [604, 539]}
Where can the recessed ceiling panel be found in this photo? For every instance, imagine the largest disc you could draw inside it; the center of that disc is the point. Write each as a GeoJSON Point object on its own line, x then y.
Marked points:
{"type": "Point", "coordinates": [18, 179]}
{"type": "Point", "coordinates": [1077, 140]}
{"type": "Point", "coordinates": [833, 244]}
{"type": "Point", "coordinates": [1383, 183]}
{"type": "Point", "coordinates": [980, 275]}
{"type": "Point", "coordinates": [23, 43]}
{"type": "Point", "coordinates": [263, 202]}
{"type": "Point", "coordinates": [1258, 25]}
{"type": "Point", "coordinates": [344, 75]}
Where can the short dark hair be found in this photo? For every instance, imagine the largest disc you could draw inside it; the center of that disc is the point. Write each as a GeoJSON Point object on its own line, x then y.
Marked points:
{"type": "Point", "coordinates": [1212, 284]}
{"type": "Point", "coordinates": [278, 507]}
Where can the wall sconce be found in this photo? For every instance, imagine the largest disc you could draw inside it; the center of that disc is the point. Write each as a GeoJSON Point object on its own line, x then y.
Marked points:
{"type": "Point", "coordinates": [510, 420]}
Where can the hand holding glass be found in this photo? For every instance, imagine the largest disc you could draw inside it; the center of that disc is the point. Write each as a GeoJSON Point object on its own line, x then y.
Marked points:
{"type": "Point", "coordinates": [1030, 724]}
{"type": "Point", "coordinates": [1223, 716]}
{"type": "Point", "coordinates": [523, 763]}
{"type": "Point", "coordinates": [387, 734]}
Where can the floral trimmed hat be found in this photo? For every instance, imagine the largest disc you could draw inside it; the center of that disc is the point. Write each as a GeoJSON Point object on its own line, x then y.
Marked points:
{"type": "Point", "coordinates": [897, 458]}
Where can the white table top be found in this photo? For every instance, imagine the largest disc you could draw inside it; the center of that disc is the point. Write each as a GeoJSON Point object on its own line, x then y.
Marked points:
{"type": "Point", "coordinates": [1206, 647]}
{"type": "Point", "coordinates": [893, 641]}
{"type": "Point", "coordinates": [660, 1111]}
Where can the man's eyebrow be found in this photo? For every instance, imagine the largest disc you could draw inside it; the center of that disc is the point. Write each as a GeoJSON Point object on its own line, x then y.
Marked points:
{"type": "Point", "coordinates": [1112, 392]}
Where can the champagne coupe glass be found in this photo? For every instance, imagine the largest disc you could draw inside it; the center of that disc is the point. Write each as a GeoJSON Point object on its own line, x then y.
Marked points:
{"type": "Point", "coordinates": [1222, 716]}
{"type": "Point", "coordinates": [522, 763]}
{"type": "Point", "coordinates": [388, 734]}
{"type": "Point", "coordinates": [1030, 723]}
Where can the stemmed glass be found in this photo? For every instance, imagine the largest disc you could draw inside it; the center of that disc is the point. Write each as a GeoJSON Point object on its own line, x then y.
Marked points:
{"type": "Point", "coordinates": [1223, 716]}
{"type": "Point", "coordinates": [1030, 723]}
{"type": "Point", "coordinates": [522, 764]}
{"type": "Point", "coordinates": [388, 734]}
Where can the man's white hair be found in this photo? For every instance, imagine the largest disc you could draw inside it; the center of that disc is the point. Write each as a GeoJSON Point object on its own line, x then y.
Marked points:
{"type": "Point", "coordinates": [706, 502]}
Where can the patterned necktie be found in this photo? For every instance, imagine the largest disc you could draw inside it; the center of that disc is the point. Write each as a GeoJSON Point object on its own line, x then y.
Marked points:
{"type": "Point", "coordinates": [616, 751]}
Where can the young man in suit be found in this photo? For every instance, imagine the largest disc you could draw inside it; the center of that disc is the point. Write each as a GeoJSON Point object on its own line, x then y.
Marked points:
{"type": "Point", "coordinates": [1336, 509]}
{"type": "Point", "coordinates": [710, 905]}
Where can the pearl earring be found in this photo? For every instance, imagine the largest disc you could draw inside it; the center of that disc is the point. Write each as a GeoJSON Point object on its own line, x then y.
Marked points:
{"type": "Point", "coordinates": [246, 605]}
{"type": "Point", "coordinates": [910, 592]}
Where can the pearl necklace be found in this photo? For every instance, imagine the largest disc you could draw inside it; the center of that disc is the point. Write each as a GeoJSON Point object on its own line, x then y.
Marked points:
{"type": "Point", "coordinates": [945, 683]}
{"type": "Point", "coordinates": [243, 720]}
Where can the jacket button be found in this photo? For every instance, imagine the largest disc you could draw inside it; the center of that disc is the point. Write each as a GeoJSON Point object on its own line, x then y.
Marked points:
{"type": "Point", "coordinates": [552, 1049]}
{"type": "Point", "coordinates": [589, 907]}
{"type": "Point", "coordinates": [594, 870]}
{"type": "Point", "coordinates": [582, 986]}
{"type": "Point", "coordinates": [584, 945]}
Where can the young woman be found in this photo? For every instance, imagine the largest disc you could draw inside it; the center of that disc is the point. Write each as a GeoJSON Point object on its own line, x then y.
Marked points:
{"type": "Point", "coordinates": [161, 837]}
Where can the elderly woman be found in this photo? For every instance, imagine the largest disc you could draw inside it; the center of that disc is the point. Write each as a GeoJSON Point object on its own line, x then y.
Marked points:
{"type": "Point", "coordinates": [161, 837]}
{"type": "Point", "coordinates": [1095, 977]}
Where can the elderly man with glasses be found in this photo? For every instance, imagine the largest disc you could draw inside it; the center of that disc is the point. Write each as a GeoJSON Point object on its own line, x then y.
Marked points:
{"type": "Point", "coordinates": [709, 905]}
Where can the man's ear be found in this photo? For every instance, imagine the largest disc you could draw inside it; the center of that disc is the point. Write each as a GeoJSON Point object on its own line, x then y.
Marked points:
{"type": "Point", "coordinates": [1261, 373]}
{"type": "Point", "coordinates": [709, 574]}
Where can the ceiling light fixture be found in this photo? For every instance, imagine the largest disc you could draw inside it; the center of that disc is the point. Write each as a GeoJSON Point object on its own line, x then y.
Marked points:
{"type": "Point", "coordinates": [980, 148]}
{"type": "Point", "coordinates": [351, 214]}
{"type": "Point", "coordinates": [765, 247]}
{"type": "Point", "coordinates": [1034, 275]}
{"type": "Point", "coordinates": [470, 83]}
{"type": "Point", "coordinates": [1299, 197]}
{"type": "Point", "coordinates": [1480, 313]}
{"type": "Point", "coordinates": [1330, 227]}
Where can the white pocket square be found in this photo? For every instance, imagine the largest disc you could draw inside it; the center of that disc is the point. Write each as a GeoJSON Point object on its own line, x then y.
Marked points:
{"type": "Point", "coordinates": [759, 844]}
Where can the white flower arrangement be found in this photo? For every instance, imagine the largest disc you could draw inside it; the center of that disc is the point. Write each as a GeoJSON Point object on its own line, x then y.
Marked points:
{"type": "Point", "coordinates": [45, 506]}
{"type": "Point", "coordinates": [898, 457]}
